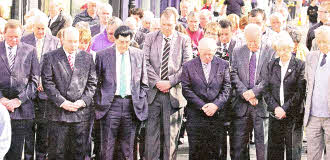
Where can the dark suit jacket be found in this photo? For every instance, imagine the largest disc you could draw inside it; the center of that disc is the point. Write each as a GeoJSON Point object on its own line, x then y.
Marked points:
{"type": "Point", "coordinates": [95, 29]}
{"type": "Point", "coordinates": [294, 86]}
{"type": "Point", "coordinates": [61, 83]}
{"type": "Point", "coordinates": [240, 78]}
{"type": "Point", "coordinates": [196, 89]}
{"type": "Point", "coordinates": [22, 82]}
{"type": "Point", "coordinates": [57, 25]}
{"type": "Point", "coordinates": [140, 36]}
{"type": "Point", "coordinates": [106, 87]}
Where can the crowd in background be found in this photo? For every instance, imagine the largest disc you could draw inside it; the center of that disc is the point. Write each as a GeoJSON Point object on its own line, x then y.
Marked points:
{"type": "Point", "coordinates": [94, 86]}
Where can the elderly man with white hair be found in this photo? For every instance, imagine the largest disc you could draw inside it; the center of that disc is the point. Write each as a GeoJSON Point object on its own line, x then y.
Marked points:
{"type": "Point", "coordinates": [104, 13]}
{"type": "Point", "coordinates": [317, 108]}
{"type": "Point", "coordinates": [2, 29]}
{"type": "Point", "coordinates": [276, 22]}
{"type": "Point", "coordinates": [145, 28]}
{"type": "Point", "coordinates": [248, 63]}
{"type": "Point", "coordinates": [89, 15]}
{"type": "Point", "coordinates": [58, 19]}
{"type": "Point", "coordinates": [44, 43]}
{"type": "Point", "coordinates": [285, 89]}
{"type": "Point", "coordinates": [205, 16]}
{"type": "Point", "coordinates": [185, 9]}
{"type": "Point", "coordinates": [69, 80]}
{"type": "Point", "coordinates": [206, 86]}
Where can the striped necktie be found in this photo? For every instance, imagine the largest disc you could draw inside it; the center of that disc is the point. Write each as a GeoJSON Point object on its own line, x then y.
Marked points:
{"type": "Point", "coordinates": [166, 53]}
{"type": "Point", "coordinates": [70, 62]}
{"type": "Point", "coordinates": [11, 58]}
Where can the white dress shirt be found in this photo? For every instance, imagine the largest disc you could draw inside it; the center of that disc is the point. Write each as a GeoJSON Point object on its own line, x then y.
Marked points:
{"type": "Point", "coordinates": [39, 46]}
{"type": "Point", "coordinates": [52, 20]}
{"type": "Point", "coordinates": [5, 131]}
{"type": "Point", "coordinates": [127, 72]}
{"type": "Point", "coordinates": [13, 50]}
{"type": "Point", "coordinates": [284, 68]}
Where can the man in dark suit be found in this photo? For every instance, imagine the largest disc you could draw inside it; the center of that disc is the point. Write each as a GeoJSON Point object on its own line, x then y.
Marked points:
{"type": "Point", "coordinates": [206, 86]}
{"type": "Point", "coordinates": [248, 103]}
{"type": "Point", "coordinates": [185, 8]}
{"type": "Point", "coordinates": [57, 20]}
{"type": "Point", "coordinates": [44, 43]}
{"type": "Point", "coordinates": [104, 13]}
{"type": "Point", "coordinates": [166, 51]}
{"type": "Point", "coordinates": [226, 43]}
{"type": "Point", "coordinates": [18, 85]}
{"type": "Point", "coordinates": [120, 98]}
{"type": "Point", "coordinates": [69, 79]}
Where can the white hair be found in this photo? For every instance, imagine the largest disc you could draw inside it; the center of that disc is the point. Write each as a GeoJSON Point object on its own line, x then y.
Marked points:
{"type": "Point", "coordinates": [283, 40]}
{"type": "Point", "coordinates": [252, 28]}
{"type": "Point", "coordinates": [40, 19]}
{"type": "Point", "coordinates": [105, 6]}
{"type": "Point", "coordinates": [208, 42]}
{"type": "Point", "coordinates": [130, 20]}
{"type": "Point", "coordinates": [148, 16]}
{"type": "Point", "coordinates": [276, 15]}
{"type": "Point", "coordinates": [322, 32]}
{"type": "Point", "coordinates": [70, 30]}
{"type": "Point", "coordinates": [206, 12]}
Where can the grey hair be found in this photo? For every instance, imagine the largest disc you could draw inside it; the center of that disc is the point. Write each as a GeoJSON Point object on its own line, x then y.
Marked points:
{"type": "Point", "coordinates": [323, 31]}
{"type": "Point", "coordinates": [252, 28]}
{"type": "Point", "coordinates": [283, 40]}
{"type": "Point", "coordinates": [277, 15]}
{"type": "Point", "coordinates": [40, 19]}
{"type": "Point", "coordinates": [105, 6]}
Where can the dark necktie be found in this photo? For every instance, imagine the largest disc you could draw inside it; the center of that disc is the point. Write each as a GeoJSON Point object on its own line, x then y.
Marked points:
{"type": "Point", "coordinates": [11, 58]}
{"type": "Point", "coordinates": [252, 69]}
{"type": "Point", "coordinates": [324, 60]}
{"type": "Point", "coordinates": [164, 67]}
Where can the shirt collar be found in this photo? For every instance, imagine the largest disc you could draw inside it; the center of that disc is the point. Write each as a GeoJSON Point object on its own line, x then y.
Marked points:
{"type": "Point", "coordinates": [42, 39]}
{"type": "Point", "coordinates": [282, 64]}
{"type": "Point", "coordinates": [12, 48]}
{"type": "Point", "coordinates": [118, 53]}
{"type": "Point", "coordinates": [54, 19]}
{"type": "Point", "coordinates": [170, 37]}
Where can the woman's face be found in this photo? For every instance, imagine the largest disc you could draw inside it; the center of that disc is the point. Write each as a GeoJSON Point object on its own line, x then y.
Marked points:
{"type": "Point", "coordinates": [284, 52]}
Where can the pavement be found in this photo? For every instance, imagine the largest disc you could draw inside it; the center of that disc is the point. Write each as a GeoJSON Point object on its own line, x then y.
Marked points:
{"type": "Point", "coordinates": [183, 152]}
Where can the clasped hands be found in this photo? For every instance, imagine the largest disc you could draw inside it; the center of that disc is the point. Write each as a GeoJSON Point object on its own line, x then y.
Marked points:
{"type": "Point", "coordinates": [280, 113]}
{"type": "Point", "coordinates": [209, 109]}
{"type": "Point", "coordinates": [72, 107]}
{"type": "Point", "coordinates": [163, 86]}
{"type": "Point", "coordinates": [250, 97]}
{"type": "Point", "coordinates": [11, 104]}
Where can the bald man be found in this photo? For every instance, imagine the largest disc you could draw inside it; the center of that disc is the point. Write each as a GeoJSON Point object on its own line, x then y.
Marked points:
{"type": "Point", "coordinates": [69, 80]}
{"type": "Point", "coordinates": [206, 86]}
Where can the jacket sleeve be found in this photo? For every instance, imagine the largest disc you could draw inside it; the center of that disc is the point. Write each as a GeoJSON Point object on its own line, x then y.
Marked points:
{"type": "Point", "coordinates": [90, 88]}
{"type": "Point", "coordinates": [223, 96]}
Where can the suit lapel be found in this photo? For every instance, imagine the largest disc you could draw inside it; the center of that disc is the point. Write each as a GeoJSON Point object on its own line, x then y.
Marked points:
{"type": "Point", "coordinates": [3, 55]}
{"type": "Point", "coordinates": [261, 60]}
{"type": "Point", "coordinates": [159, 41]}
{"type": "Point", "coordinates": [79, 63]}
{"type": "Point", "coordinates": [245, 62]}
{"type": "Point", "coordinates": [277, 69]}
{"type": "Point", "coordinates": [291, 67]}
{"type": "Point", "coordinates": [315, 63]}
{"type": "Point", "coordinates": [45, 45]}
{"type": "Point", "coordinates": [58, 20]}
{"type": "Point", "coordinates": [214, 68]}
{"type": "Point", "coordinates": [199, 70]}
{"type": "Point", "coordinates": [63, 59]}
{"type": "Point", "coordinates": [112, 63]}
{"type": "Point", "coordinates": [133, 67]}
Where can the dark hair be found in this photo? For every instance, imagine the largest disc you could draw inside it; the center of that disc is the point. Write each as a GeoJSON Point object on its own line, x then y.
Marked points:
{"type": "Point", "coordinates": [224, 23]}
{"type": "Point", "coordinates": [123, 31]}
{"type": "Point", "coordinates": [136, 11]}
{"type": "Point", "coordinates": [256, 11]}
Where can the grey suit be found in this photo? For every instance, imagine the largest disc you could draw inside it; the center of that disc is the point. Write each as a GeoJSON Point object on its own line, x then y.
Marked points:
{"type": "Point", "coordinates": [317, 128]}
{"type": "Point", "coordinates": [161, 105]}
{"type": "Point", "coordinates": [20, 83]}
{"type": "Point", "coordinates": [247, 117]}
{"type": "Point", "coordinates": [50, 43]}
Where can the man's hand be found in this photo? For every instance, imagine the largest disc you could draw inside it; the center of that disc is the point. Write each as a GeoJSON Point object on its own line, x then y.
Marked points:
{"type": "Point", "coordinates": [253, 101]}
{"type": "Point", "coordinates": [163, 86]}
{"type": "Point", "coordinates": [280, 113]}
{"type": "Point", "coordinates": [40, 88]}
{"type": "Point", "coordinates": [4, 101]}
{"type": "Point", "coordinates": [12, 104]}
{"type": "Point", "coordinates": [248, 95]}
{"type": "Point", "coordinates": [69, 106]}
{"type": "Point", "coordinates": [79, 104]}
{"type": "Point", "coordinates": [209, 109]}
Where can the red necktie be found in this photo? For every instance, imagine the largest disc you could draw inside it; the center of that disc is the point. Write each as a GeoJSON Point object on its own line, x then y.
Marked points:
{"type": "Point", "coordinates": [70, 62]}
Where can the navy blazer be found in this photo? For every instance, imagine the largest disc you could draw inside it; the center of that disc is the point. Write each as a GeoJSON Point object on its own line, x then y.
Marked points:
{"type": "Point", "coordinates": [196, 89]}
{"type": "Point", "coordinates": [106, 87]}
{"type": "Point", "coordinates": [294, 86]}
{"type": "Point", "coordinates": [22, 82]}
{"type": "Point", "coordinates": [61, 83]}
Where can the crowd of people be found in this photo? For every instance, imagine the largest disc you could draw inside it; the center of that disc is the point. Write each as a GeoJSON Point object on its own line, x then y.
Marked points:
{"type": "Point", "coordinates": [98, 87]}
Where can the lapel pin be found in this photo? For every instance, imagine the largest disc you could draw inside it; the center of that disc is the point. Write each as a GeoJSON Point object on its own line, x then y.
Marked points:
{"type": "Point", "coordinates": [289, 70]}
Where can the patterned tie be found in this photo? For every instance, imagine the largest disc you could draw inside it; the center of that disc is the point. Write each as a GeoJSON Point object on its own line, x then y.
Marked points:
{"type": "Point", "coordinates": [252, 69]}
{"type": "Point", "coordinates": [122, 89]}
{"type": "Point", "coordinates": [324, 60]}
{"type": "Point", "coordinates": [70, 62]}
{"type": "Point", "coordinates": [11, 58]}
{"type": "Point", "coordinates": [206, 72]}
{"type": "Point", "coordinates": [164, 67]}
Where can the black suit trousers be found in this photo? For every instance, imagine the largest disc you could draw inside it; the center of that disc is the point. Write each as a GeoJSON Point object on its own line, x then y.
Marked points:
{"type": "Point", "coordinates": [205, 136]}
{"type": "Point", "coordinates": [41, 132]}
{"type": "Point", "coordinates": [22, 130]}
{"type": "Point", "coordinates": [68, 140]}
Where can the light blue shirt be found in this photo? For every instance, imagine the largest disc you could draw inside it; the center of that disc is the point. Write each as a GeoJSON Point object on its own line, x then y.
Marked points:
{"type": "Point", "coordinates": [320, 93]}
{"type": "Point", "coordinates": [5, 131]}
